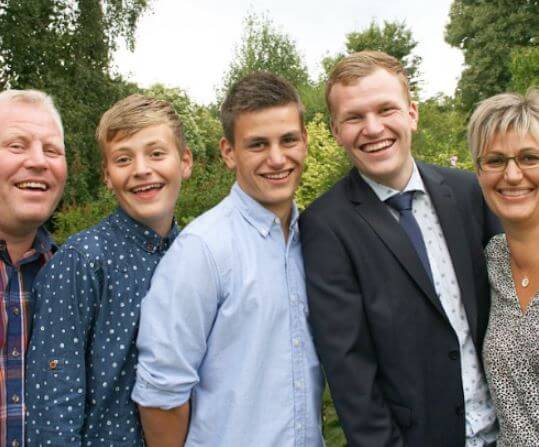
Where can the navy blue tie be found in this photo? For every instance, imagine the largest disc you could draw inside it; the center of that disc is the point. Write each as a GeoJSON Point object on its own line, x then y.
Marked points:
{"type": "Point", "coordinates": [402, 203]}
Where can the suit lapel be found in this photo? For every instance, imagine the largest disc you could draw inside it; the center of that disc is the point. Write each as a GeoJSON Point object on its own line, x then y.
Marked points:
{"type": "Point", "coordinates": [450, 220]}
{"type": "Point", "coordinates": [376, 214]}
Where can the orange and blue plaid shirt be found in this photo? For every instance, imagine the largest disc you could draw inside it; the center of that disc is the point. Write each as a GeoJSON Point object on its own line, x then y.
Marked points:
{"type": "Point", "coordinates": [15, 325]}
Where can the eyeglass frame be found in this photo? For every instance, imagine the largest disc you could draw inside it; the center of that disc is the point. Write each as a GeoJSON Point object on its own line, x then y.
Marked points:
{"type": "Point", "coordinates": [507, 160]}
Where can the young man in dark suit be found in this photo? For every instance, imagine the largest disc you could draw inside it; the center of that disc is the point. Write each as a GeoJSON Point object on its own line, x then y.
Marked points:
{"type": "Point", "coordinates": [397, 286]}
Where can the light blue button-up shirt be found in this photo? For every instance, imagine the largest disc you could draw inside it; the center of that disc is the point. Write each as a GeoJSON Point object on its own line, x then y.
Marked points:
{"type": "Point", "coordinates": [225, 324]}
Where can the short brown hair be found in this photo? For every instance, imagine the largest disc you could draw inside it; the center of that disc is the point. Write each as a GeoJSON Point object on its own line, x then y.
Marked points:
{"type": "Point", "coordinates": [256, 91]}
{"type": "Point", "coordinates": [359, 65]}
{"type": "Point", "coordinates": [500, 114]}
{"type": "Point", "coordinates": [134, 113]}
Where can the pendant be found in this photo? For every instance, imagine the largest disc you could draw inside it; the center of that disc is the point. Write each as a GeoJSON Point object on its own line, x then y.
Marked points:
{"type": "Point", "coordinates": [525, 282]}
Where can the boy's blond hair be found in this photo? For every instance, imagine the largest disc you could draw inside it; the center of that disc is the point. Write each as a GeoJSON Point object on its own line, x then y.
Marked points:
{"type": "Point", "coordinates": [134, 113]}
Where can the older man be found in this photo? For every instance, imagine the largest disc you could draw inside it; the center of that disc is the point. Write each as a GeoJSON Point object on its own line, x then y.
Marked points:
{"type": "Point", "coordinates": [32, 177]}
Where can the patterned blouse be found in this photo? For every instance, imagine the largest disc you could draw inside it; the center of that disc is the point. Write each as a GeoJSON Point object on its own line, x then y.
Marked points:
{"type": "Point", "coordinates": [511, 353]}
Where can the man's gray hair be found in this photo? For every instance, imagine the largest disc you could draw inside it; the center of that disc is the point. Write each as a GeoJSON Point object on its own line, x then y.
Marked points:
{"type": "Point", "coordinates": [35, 97]}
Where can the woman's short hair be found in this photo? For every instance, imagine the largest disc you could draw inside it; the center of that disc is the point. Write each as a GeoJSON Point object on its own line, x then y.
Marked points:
{"type": "Point", "coordinates": [499, 114]}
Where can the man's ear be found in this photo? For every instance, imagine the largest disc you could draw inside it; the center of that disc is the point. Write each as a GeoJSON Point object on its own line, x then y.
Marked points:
{"type": "Point", "coordinates": [186, 158]}
{"type": "Point", "coordinates": [335, 130]}
{"type": "Point", "coordinates": [413, 112]}
{"type": "Point", "coordinates": [227, 153]}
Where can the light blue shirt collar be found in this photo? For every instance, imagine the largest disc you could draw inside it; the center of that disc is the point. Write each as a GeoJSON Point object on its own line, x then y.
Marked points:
{"type": "Point", "coordinates": [257, 215]}
{"type": "Point", "coordinates": [385, 192]}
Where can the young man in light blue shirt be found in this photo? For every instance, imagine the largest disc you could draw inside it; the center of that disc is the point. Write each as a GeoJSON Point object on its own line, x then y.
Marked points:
{"type": "Point", "coordinates": [226, 356]}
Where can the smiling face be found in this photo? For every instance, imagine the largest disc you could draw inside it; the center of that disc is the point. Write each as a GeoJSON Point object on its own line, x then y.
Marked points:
{"type": "Point", "coordinates": [373, 121]}
{"type": "Point", "coordinates": [145, 171]}
{"type": "Point", "coordinates": [33, 167]}
{"type": "Point", "coordinates": [512, 194]}
{"type": "Point", "coordinates": [270, 146]}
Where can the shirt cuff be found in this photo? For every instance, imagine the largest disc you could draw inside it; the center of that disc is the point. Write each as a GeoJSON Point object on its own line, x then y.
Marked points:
{"type": "Point", "coordinates": [147, 395]}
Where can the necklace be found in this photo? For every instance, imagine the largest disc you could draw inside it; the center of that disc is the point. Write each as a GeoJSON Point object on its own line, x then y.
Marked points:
{"type": "Point", "coordinates": [525, 281]}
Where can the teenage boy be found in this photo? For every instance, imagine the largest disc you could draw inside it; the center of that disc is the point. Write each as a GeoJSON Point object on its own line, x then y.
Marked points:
{"type": "Point", "coordinates": [224, 330]}
{"type": "Point", "coordinates": [82, 356]}
{"type": "Point", "coordinates": [396, 276]}
{"type": "Point", "coordinates": [32, 176]}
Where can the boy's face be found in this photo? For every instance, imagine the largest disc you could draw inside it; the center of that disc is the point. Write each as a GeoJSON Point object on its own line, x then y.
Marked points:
{"type": "Point", "coordinates": [268, 154]}
{"type": "Point", "coordinates": [145, 172]}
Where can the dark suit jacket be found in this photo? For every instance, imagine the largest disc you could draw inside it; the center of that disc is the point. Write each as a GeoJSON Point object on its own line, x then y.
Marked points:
{"type": "Point", "coordinates": [390, 355]}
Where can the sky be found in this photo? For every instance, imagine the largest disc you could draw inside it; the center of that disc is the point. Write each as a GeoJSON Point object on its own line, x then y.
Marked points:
{"type": "Point", "coordinates": [190, 43]}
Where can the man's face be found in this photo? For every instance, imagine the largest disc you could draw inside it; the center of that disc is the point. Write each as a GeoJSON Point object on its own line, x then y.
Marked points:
{"type": "Point", "coordinates": [33, 167]}
{"type": "Point", "coordinates": [268, 154]}
{"type": "Point", "coordinates": [373, 121]}
{"type": "Point", "coordinates": [145, 172]}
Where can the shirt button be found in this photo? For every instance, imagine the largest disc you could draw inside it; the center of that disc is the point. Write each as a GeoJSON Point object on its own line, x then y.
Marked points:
{"type": "Point", "coordinates": [15, 398]}
{"type": "Point", "coordinates": [295, 342]}
{"type": "Point", "coordinates": [453, 355]}
{"type": "Point", "coordinates": [15, 443]}
{"type": "Point", "coordinates": [15, 353]}
{"type": "Point", "coordinates": [149, 246]}
{"type": "Point", "coordinates": [299, 385]}
{"type": "Point", "coordinates": [16, 311]}
{"type": "Point", "coordinates": [53, 364]}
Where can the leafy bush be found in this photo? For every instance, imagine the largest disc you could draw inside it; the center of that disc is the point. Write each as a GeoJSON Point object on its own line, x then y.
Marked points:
{"type": "Point", "coordinates": [325, 164]}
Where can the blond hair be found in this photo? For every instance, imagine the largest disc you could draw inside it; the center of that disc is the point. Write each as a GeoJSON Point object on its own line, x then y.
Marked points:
{"type": "Point", "coordinates": [361, 64]}
{"type": "Point", "coordinates": [33, 97]}
{"type": "Point", "coordinates": [134, 113]}
{"type": "Point", "coordinates": [499, 114]}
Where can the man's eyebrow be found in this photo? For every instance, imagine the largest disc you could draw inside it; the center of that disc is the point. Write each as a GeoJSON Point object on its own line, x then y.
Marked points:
{"type": "Point", "coordinates": [255, 139]}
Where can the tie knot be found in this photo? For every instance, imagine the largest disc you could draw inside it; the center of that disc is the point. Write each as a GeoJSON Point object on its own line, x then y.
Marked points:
{"type": "Point", "coordinates": [402, 201]}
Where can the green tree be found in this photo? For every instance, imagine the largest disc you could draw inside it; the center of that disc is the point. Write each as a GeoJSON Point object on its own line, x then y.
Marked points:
{"type": "Point", "coordinates": [524, 69]}
{"type": "Point", "coordinates": [202, 129]}
{"type": "Point", "coordinates": [441, 136]}
{"type": "Point", "coordinates": [264, 47]}
{"type": "Point", "coordinates": [64, 47]}
{"type": "Point", "coordinates": [393, 38]}
{"type": "Point", "coordinates": [325, 163]}
{"type": "Point", "coordinates": [487, 32]}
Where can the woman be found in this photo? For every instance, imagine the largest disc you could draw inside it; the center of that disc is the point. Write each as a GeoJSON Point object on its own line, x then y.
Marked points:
{"type": "Point", "coordinates": [503, 135]}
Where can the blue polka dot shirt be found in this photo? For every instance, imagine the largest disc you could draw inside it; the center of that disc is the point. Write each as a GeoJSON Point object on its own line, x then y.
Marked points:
{"type": "Point", "coordinates": [82, 355]}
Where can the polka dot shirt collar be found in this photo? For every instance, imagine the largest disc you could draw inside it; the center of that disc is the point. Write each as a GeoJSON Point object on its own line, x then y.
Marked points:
{"type": "Point", "coordinates": [140, 234]}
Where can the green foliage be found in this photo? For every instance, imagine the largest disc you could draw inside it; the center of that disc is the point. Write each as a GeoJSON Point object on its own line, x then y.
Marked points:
{"type": "Point", "coordinates": [325, 164]}
{"type": "Point", "coordinates": [75, 218]}
{"type": "Point", "coordinates": [524, 69]}
{"type": "Point", "coordinates": [264, 47]}
{"type": "Point", "coordinates": [202, 130]}
{"type": "Point", "coordinates": [487, 32]}
{"type": "Point", "coordinates": [210, 183]}
{"type": "Point", "coordinates": [393, 38]}
{"type": "Point", "coordinates": [441, 135]}
{"type": "Point", "coordinates": [333, 434]}
{"type": "Point", "coordinates": [313, 98]}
